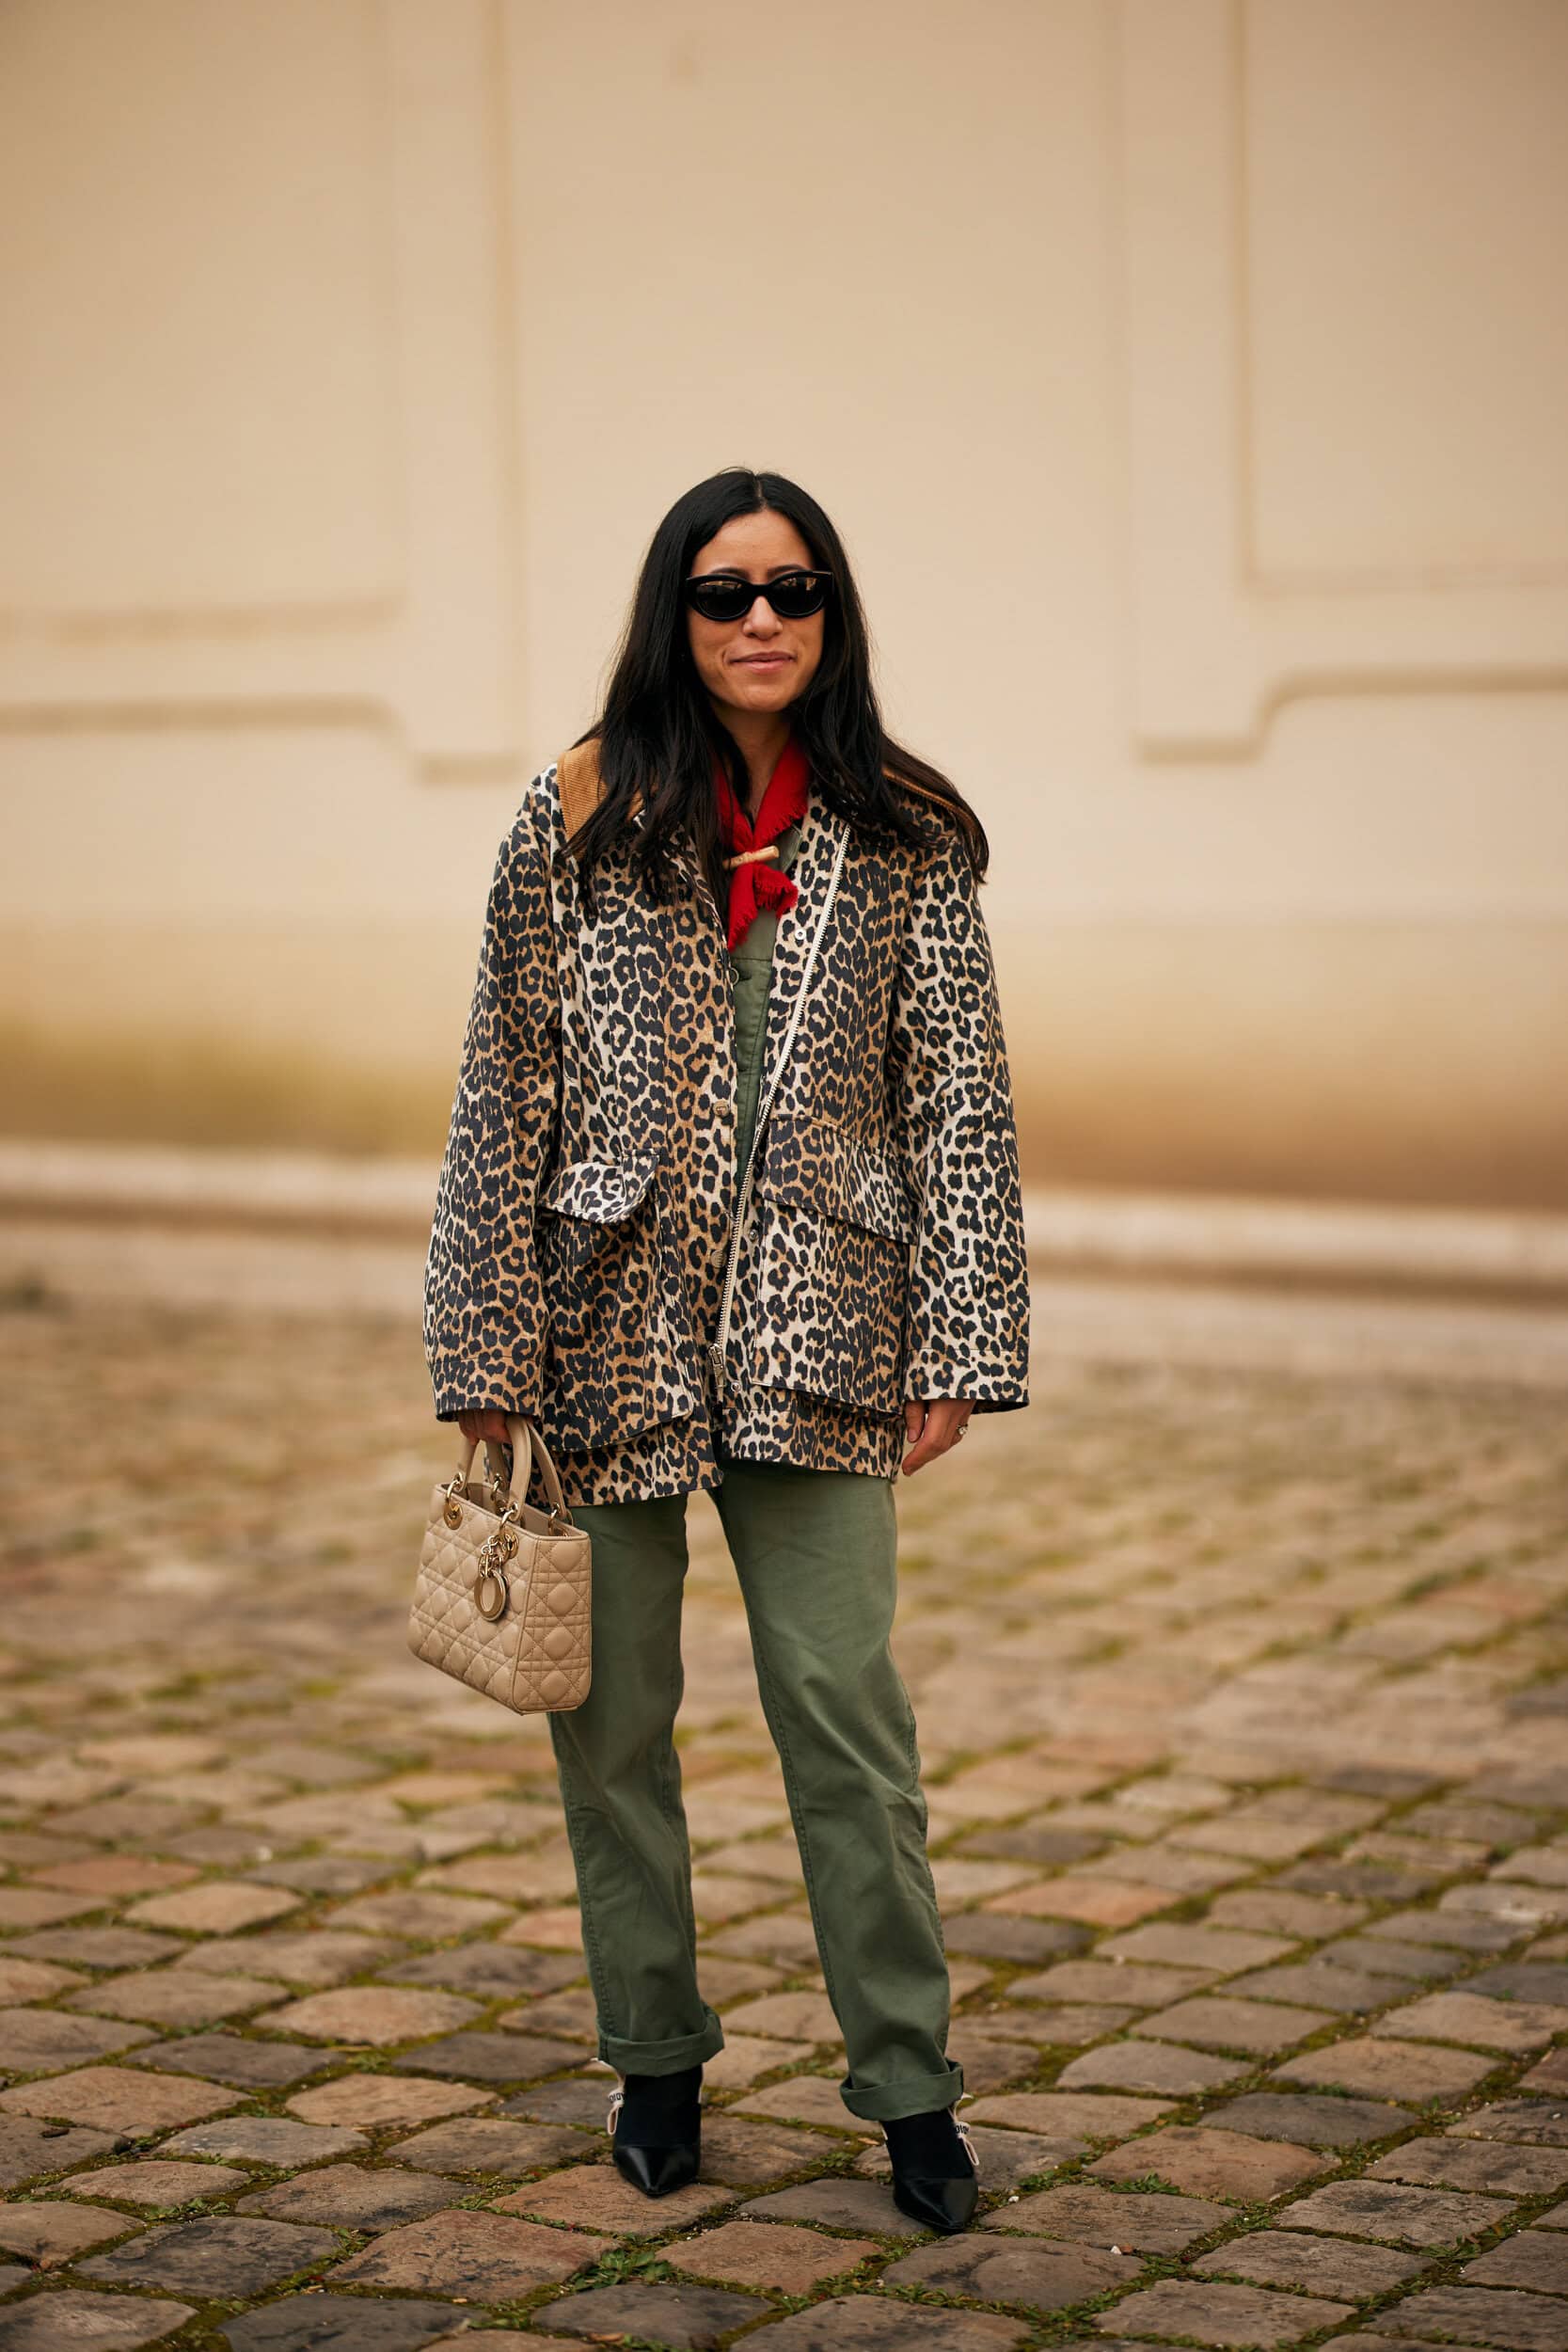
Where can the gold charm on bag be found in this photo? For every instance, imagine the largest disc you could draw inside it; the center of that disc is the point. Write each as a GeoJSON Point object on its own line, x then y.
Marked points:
{"type": "Point", "coordinates": [490, 1589]}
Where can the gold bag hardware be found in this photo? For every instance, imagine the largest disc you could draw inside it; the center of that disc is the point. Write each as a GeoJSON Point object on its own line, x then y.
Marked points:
{"type": "Point", "coordinates": [503, 1597]}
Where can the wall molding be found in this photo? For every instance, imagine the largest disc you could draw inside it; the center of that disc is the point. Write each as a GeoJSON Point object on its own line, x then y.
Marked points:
{"type": "Point", "coordinates": [433, 659]}
{"type": "Point", "coordinates": [1215, 644]}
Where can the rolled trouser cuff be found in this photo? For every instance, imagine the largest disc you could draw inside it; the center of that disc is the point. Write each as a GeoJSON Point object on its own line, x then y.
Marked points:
{"type": "Point", "coordinates": [911, 2095]}
{"type": "Point", "coordinates": [664, 2058]}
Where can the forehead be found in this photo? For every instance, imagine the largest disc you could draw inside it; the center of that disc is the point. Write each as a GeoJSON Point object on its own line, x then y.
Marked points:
{"type": "Point", "coordinates": [752, 543]}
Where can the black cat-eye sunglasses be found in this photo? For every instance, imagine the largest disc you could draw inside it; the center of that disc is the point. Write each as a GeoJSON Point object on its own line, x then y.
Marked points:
{"type": "Point", "coordinates": [720, 597]}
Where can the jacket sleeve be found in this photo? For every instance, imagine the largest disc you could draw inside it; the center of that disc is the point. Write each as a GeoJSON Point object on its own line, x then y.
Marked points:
{"type": "Point", "coordinates": [952, 1106]}
{"type": "Point", "coordinates": [484, 1326]}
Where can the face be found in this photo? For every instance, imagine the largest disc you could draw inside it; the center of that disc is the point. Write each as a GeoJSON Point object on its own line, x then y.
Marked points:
{"type": "Point", "coordinates": [758, 663]}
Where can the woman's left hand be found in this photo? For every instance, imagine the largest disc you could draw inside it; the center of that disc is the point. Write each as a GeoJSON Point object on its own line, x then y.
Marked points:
{"type": "Point", "coordinates": [935, 1424]}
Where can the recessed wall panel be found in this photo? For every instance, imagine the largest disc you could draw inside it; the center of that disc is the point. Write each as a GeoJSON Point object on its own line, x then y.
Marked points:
{"type": "Point", "coordinates": [193, 244]}
{"type": "Point", "coordinates": [1405, 229]}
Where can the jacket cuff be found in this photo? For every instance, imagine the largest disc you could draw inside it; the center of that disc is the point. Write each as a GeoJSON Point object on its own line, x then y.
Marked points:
{"type": "Point", "coordinates": [480, 1398]}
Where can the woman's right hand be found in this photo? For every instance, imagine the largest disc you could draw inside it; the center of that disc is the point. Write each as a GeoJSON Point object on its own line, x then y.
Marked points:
{"type": "Point", "coordinates": [482, 1428]}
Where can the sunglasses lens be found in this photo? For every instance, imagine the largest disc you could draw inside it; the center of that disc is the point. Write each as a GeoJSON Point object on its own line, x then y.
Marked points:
{"type": "Point", "coordinates": [793, 595]}
{"type": "Point", "coordinates": [721, 599]}
{"type": "Point", "coordinates": [798, 594]}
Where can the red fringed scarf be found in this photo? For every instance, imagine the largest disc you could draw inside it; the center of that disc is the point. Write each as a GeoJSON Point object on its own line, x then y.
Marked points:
{"type": "Point", "coordinates": [758, 883]}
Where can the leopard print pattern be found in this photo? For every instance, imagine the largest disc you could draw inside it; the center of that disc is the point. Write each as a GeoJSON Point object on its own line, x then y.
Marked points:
{"type": "Point", "coordinates": [587, 1194]}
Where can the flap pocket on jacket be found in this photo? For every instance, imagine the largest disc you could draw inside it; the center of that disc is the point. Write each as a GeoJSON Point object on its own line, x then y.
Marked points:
{"type": "Point", "coordinates": [605, 1190]}
{"type": "Point", "coordinates": [817, 1164]}
{"type": "Point", "coordinates": [610, 1370]}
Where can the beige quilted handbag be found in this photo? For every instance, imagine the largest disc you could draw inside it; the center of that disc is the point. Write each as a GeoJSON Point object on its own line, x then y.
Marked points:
{"type": "Point", "coordinates": [503, 1597]}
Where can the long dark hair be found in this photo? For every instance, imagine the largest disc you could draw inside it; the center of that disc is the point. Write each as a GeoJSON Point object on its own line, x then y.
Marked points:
{"type": "Point", "coordinates": [658, 733]}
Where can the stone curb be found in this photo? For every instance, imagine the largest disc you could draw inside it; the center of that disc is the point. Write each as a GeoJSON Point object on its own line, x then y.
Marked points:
{"type": "Point", "coordinates": [1144, 1234]}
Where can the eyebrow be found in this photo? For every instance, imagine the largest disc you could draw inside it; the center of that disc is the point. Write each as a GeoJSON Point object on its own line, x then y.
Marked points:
{"type": "Point", "coordinates": [775, 571]}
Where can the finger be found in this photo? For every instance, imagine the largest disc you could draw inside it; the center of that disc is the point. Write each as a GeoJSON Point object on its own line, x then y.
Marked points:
{"type": "Point", "coordinates": [927, 1447]}
{"type": "Point", "coordinates": [944, 1421]}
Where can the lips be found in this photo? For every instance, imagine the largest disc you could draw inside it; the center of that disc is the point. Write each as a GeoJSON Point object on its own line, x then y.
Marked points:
{"type": "Point", "coordinates": [762, 661]}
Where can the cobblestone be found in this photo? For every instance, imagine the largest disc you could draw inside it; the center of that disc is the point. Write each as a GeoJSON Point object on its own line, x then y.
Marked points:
{"type": "Point", "coordinates": [226, 2057]}
{"type": "Point", "coordinates": [155, 2184]}
{"type": "Point", "coordinates": [1153, 2066]}
{"type": "Point", "coordinates": [1318, 2265]}
{"type": "Point", "coordinates": [1203, 2162]}
{"type": "Point", "coordinates": [1314, 2123]}
{"type": "Point", "coordinates": [44, 2041]}
{"type": "Point", "coordinates": [1482, 2315]}
{"type": "Point", "coordinates": [225, 2256]}
{"type": "Point", "coordinates": [1517, 2119]}
{"type": "Point", "coordinates": [168, 1999]}
{"type": "Point", "coordinates": [777, 2254]}
{"type": "Point", "coordinates": [595, 2197]}
{"type": "Point", "coordinates": [838, 2204]}
{"type": "Point", "coordinates": [1393, 2069]}
{"type": "Point", "coordinates": [1204, 2313]}
{"type": "Point", "coordinates": [491, 2144]}
{"type": "Point", "coordinates": [88, 2323]}
{"type": "Point", "coordinates": [371, 2102]}
{"type": "Point", "coordinates": [690, 2319]}
{"type": "Point", "coordinates": [868, 2323]}
{"type": "Point", "coordinates": [30, 2151]}
{"type": "Point", "coordinates": [1457, 2164]}
{"type": "Point", "coordinates": [313, 2322]}
{"type": "Point", "coordinates": [1100, 2216]}
{"type": "Point", "coordinates": [1259, 2027]}
{"type": "Point", "coordinates": [1248, 1778]}
{"type": "Point", "coordinates": [275, 2140]}
{"type": "Point", "coordinates": [992, 2270]}
{"type": "Point", "coordinates": [489, 2257]}
{"type": "Point", "coordinates": [1488, 2025]}
{"type": "Point", "coordinates": [1537, 2259]}
{"type": "Point", "coordinates": [51, 2235]}
{"type": "Point", "coordinates": [353, 2196]}
{"type": "Point", "coordinates": [108, 2098]}
{"type": "Point", "coordinates": [1086, 2117]}
{"type": "Point", "coordinates": [1396, 2214]}
{"type": "Point", "coordinates": [377, 2014]}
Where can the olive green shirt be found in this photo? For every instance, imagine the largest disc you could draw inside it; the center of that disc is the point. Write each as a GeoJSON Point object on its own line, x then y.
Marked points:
{"type": "Point", "coordinates": [750, 971]}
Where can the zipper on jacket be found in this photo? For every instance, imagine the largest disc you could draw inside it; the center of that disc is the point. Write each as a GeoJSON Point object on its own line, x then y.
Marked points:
{"type": "Point", "coordinates": [717, 1347]}
{"type": "Point", "coordinates": [715, 1351]}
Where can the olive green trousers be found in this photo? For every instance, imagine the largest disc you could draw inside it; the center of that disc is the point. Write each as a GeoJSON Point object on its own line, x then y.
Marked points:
{"type": "Point", "coordinates": [815, 1554]}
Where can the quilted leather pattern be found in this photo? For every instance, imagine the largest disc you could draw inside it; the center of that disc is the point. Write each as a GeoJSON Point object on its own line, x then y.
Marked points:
{"type": "Point", "coordinates": [536, 1656]}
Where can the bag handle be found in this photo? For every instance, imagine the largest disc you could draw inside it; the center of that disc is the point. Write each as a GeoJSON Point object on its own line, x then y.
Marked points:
{"type": "Point", "coordinates": [525, 1441]}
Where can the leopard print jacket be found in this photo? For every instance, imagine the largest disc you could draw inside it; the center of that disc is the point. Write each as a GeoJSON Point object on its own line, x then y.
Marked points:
{"type": "Point", "coordinates": [589, 1226]}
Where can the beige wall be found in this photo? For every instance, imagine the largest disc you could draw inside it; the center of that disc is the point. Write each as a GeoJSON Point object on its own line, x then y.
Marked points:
{"type": "Point", "coordinates": [1187, 378]}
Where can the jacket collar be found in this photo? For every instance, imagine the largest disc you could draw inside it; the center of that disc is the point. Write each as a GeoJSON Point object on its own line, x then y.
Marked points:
{"type": "Point", "coordinates": [582, 786]}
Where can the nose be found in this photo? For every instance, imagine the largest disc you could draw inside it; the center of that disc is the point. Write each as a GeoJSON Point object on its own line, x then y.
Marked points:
{"type": "Point", "coordinates": [762, 621]}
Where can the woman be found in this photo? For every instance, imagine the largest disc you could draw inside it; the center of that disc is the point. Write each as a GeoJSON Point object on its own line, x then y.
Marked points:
{"type": "Point", "coordinates": [729, 1204]}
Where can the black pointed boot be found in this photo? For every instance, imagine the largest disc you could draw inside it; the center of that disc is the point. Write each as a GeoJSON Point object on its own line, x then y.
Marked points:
{"type": "Point", "coordinates": [935, 2170]}
{"type": "Point", "coordinates": [656, 2122]}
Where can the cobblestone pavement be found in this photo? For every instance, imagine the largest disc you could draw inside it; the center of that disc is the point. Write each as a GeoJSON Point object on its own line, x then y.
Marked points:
{"type": "Point", "coordinates": [1244, 1707]}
